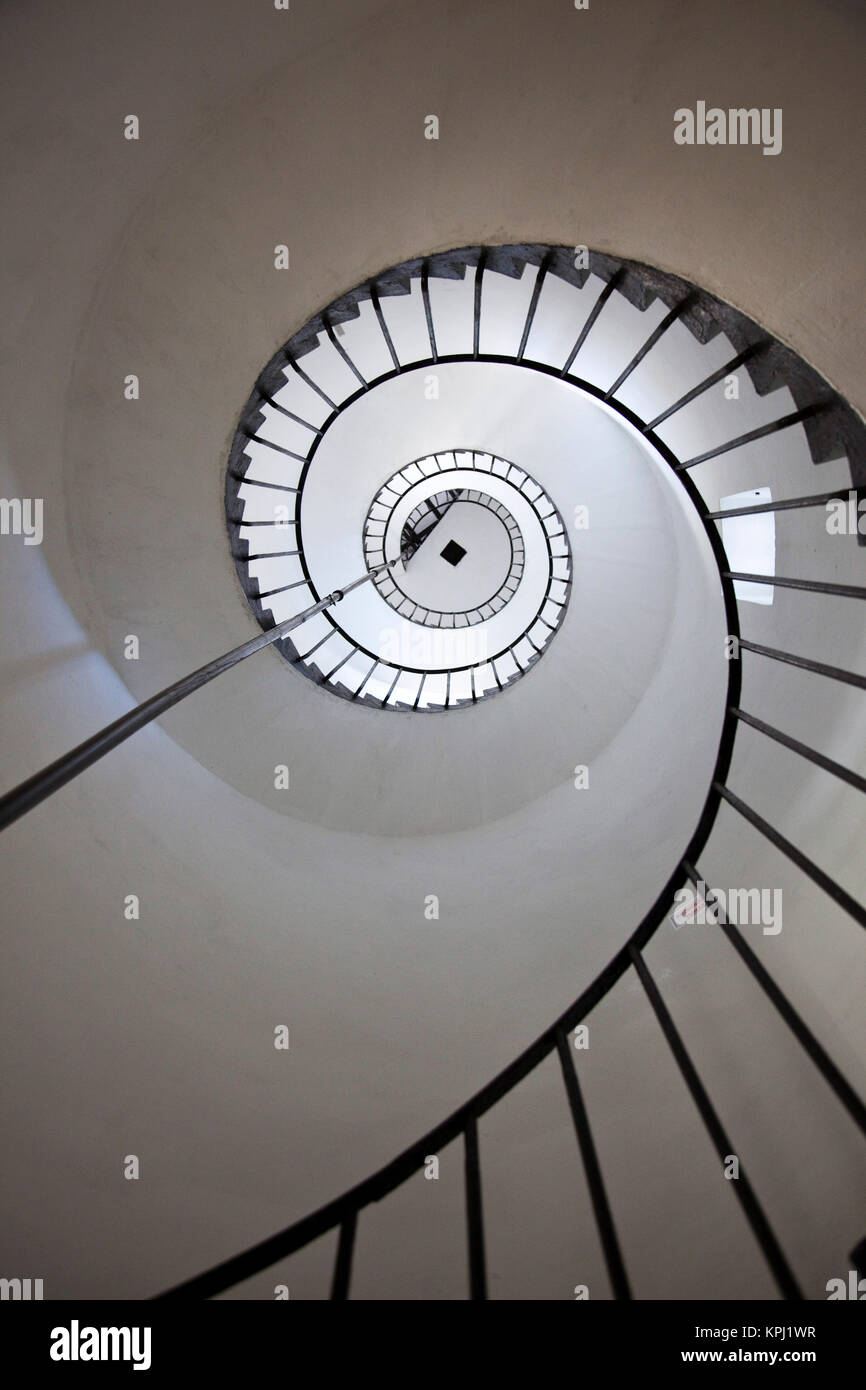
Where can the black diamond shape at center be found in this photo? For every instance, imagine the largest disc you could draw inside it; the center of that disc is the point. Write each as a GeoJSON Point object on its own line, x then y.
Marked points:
{"type": "Point", "coordinates": [453, 553]}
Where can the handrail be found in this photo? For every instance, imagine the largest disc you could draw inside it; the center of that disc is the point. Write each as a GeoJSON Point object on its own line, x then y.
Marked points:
{"type": "Point", "coordinates": [26, 795]}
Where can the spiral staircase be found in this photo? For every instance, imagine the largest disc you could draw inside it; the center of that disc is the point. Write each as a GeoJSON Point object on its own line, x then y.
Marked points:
{"type": "Point", "coordinates": [370, 444]}
{"type": "Point", "coordinates": [663, 355]}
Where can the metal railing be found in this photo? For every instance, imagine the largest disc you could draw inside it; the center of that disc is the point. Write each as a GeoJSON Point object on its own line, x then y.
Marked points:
{"type": "Point", "coordinates": [29, 794]}
{"type": "Point", "coordinates": [343, 1212]}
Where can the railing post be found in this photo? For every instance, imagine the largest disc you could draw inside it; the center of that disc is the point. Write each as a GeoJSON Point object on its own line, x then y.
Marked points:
{"type": "Point", "coordinates": [804, 1035]}
{"type": "Point", "coordinates": [592, 1167]}
{"type": "Point", "coordinates": [474, 1214]}
{"type": "Point", "coordinates": [761, 1228]}
{"type": "Point", "coordinates": [343, 1264]}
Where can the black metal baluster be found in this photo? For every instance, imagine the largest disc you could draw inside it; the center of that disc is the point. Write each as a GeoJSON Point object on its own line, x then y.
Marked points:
{"type": "Point", "coordinates": [258, 482]}
{"type": "Point", "coordinates": [391, 689]}
{"type": "Point", "coordinates": [420, 689]}
{"type": "Point", "coordinates": [533, 304]}
{"type": "Point", "coordinates": [828, 1069]}
{"type": "Point", "coordinates": [819, 668]}
{"type": "Point", "coordinates": [281, 524]}
{"type": "Point", "coordinates": [343, 1263]}
{"type": "Point", "coordinates": [829, 885]}
{"type": "Point", "coordinates": [671, 318]}
{"type": "Point", "coordinates": [428, 312]}
{"type": "Point", "coordinates": [476, 323]}
{"type": "Point", "coordinates": [343, 353]}
{"type": "Point", "coordinates": [278, 449]}
{"type": "Point", "coordinates": [304, 656]}
{"type": "Point", "coordinates": [290, 414]}
{"type": "Point", "coordinates": [340, 664]}
{"type": "Point", "coordinates": [813, 586]}
{"type": "Point", "coordinates": [366, 678]}
{"type": "Point", "coordinates": [817, 499]}
{"type": "Point", "coordinates": [594, 312]}
{"type": "Point", "coordinates": [708, 382]}
{"type": "Point", "coordinates": [374, 297]}
{"type": "Point", "coordinates": [309, 380]}
{"type": "Point", "coordinates": [267, 555]}
{"type": "Point", "coordinates": [785, 422]}
{"type": "Point", "coordinates": [595, 1182]}
{"type": "Point", "coordinates": [474, 1213]}
{"type": "Point", "coordinates": [282, 588]}
{"type": "Point", "coordinates": [828, 764]}
{"type": "Point", "coordinates": [761, 1228]}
